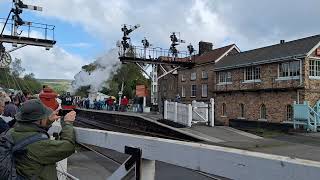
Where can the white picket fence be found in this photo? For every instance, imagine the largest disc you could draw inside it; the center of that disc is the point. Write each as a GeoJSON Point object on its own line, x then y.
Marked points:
{"type": "Point", "coordinates": [188, 114]}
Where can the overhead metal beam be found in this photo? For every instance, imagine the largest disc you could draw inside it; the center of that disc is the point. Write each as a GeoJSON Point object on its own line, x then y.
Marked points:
{"type": "Point", "coordinates": [216, 160]}
{"type": "Point", "coordinates": [168, 72]}
{"type": "Point", "coordinates": [27, 41]}
{"type": "Point", "coordinates": [16, 48]}
{"type": "Point", "coordinates": [145, 72]}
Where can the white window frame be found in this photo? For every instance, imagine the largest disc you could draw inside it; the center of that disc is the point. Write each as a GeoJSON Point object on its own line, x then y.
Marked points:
{"type": "Point", "coordinates": [183, 91]}
{"type": "Point", "coordinates": [193, 76]}
{"type": "Point", "coordinates": [224, 77]}
{"type": "Point", "coordinates": [204, 93]}
{"type": "Point", "coordinates": [183, 77]}
{"type": "Point", "coordinates": [314, 70]}
{"type": "Point", "coordinates": [252, 76]}
{"type": "Point", "coordinates": [193, 85]}
{"type": "Point", "coordinates": [204, 75]}
{"type": "Point", "coordinates": [290, 69]}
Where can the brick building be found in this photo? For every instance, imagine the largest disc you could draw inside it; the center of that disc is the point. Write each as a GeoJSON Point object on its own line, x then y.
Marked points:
{"type": "Point", "coordinates": [195, 83]}
{"type": "Point", "coordinates": [262, 84]}
{"type": "Point", "coordinates": [259, 84]}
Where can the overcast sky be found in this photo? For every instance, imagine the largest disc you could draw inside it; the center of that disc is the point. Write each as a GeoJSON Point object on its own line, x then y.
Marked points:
{"type": "Point", "coordinates": [86, 29]}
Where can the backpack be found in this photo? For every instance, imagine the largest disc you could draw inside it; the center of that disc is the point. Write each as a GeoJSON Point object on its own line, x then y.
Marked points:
{"type": "Point", "coordinates": [9, 150]}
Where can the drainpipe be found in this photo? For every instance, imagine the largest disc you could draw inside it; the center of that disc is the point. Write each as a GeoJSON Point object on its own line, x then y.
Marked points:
{"type": "Point", "coordinates": [300, 79]}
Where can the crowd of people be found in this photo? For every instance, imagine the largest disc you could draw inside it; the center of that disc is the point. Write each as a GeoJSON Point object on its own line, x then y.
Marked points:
{"type": "Point", "coordinates": [26, 150]}
{"type": "Point", "coordinates": [110, 104]}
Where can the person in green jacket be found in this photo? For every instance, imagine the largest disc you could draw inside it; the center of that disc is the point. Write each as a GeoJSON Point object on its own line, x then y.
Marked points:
{"type": "Point", "coordinates": [39, 161]}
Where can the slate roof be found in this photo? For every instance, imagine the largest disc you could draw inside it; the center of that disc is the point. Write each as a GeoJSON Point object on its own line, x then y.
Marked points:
{"type": "Point", "coordinates": [299, 47]}
{"type": "Point", "coordinates": [212, 55]}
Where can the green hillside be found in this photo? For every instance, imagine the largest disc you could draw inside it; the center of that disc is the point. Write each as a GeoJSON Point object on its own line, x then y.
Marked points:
{"type": "Point", "coordinates": [59, 85]}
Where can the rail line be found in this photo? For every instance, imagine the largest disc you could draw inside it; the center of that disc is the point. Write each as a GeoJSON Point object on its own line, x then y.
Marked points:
{"type": "Point", "coordinates": [102, 125]}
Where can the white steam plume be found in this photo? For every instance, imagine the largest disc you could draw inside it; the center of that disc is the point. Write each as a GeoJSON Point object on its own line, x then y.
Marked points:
{"type": "Point", "coordinates": [105, 66]}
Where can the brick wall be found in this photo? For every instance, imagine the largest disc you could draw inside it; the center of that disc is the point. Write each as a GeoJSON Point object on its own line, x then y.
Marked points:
{"type": "Point", "coordinates": [275, 103]}
{"type": "Point", "coordinates": [198, 82]}
{"type": "Point", "coordinates": [268, 77]}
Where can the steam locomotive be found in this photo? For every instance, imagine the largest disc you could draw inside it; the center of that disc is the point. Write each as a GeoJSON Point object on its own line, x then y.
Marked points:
{"type": "Point", "coordinates": [67, 104]}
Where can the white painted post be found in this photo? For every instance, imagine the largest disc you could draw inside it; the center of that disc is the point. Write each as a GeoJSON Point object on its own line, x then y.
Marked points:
{"type": "Point", "coordinates": [148, 169]}
{"type": "Point", "coordinates": [144, 102]}
{"type": "Point", "coordinates": [211, 120]}
{"type": "Point", "coordinates": [189, 115]}
{"type": "Point", "coordinates": [175, 112]}
{"type": "Point", "coordinates": [165, 110]}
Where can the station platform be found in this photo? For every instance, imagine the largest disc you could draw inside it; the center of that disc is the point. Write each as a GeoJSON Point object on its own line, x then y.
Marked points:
{"type": "Point", "coordinates": [304, 146]}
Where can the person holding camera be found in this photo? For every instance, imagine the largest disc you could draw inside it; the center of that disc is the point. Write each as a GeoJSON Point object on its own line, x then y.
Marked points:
{"type": "Point", "coordinates": [40, 158]}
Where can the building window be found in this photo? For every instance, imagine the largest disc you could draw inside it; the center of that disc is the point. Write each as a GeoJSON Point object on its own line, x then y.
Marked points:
{"type": "Point", "coordinates": [263, 112]}
{"type": "Point", "coordinates": [204, 75]}
{"type": "Point", "coordinates": [204, 90]}
{"type": "Point", "coordinates": [183, 77]}
{"type": "Point", "coordinates": [193, 90]}
{"type": "Point", "coordinates": [224, 110]}
{"type": "Point", "coordinates": [225, 77]}
{"type": "Point", "coordinates": [289, 69]}
{"type": "Point", "coordinates": [193, 76]}
{"type": "Point", "coordinates": [241, 110]}
{"type": "Point", "coordinates": [183, 91]}
{"type": "Point", "coordinates": [314, 67]}
{"type": "Point", "coordinates": [252, 73]}
{"type": "Point", "coordinates": [289, 113]}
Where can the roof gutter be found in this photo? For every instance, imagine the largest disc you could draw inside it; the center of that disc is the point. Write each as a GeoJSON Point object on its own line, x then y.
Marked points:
{"type": "Point", "coordinates": [262, 62]}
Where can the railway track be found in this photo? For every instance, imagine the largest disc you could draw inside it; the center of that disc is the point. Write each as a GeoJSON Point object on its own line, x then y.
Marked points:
{"type": "Point", "coordinates": [103, 125]}
{"type": "Point", "coordinates": [97, 123]}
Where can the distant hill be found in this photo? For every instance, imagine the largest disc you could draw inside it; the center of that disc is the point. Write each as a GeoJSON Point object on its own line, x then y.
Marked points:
{"type": "Point", "coordinates": [59, 85]}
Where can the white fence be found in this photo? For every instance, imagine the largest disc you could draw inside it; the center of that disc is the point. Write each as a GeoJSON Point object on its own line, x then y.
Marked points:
{"type": "Point", "coordinates": [187, 114]}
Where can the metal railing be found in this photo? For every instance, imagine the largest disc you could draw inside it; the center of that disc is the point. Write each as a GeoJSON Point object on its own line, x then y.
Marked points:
{"type": "Point", "coordinates": [26, 30]}
{"type": "Point", "coordinates": [156, 54]}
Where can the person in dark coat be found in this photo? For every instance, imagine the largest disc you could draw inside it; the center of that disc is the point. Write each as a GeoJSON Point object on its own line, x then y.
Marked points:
{"type": "Point", "coordinates": [3, 124]}
{"type": "Point", "coordinates": [10, 109]}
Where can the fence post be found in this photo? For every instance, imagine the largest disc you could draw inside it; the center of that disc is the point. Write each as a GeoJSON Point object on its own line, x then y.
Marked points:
{"type": "Point", "coordinates": [175, 112]}
{"type": "Point", "coordinates": [211, 120]}
{"type": "Point", "coordinates": [189, 114]}
{"type": "Point", "coordinates": [165, 110]}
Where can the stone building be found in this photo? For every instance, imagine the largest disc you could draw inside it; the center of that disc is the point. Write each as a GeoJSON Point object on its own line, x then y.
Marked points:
{"type": "Point", "coordinates": [255, 85]}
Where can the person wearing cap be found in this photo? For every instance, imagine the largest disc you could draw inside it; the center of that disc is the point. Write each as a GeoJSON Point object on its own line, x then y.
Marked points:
{"type": "Point", "coordinates": [39, 161]}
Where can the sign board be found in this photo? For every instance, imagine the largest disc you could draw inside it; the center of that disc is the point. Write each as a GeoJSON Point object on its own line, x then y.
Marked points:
{"type": "Point", "coordinates": [141, 91]}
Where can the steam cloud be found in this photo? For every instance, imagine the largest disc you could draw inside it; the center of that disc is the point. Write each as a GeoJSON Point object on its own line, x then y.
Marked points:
{"type": "Point", "coordinates": [105, 66]}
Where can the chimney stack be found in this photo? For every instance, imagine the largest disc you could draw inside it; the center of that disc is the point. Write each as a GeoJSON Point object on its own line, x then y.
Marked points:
{"type": "Point", "coordinates": [282, 41]}
{"type": "Point", "coordinates": [204, 47]}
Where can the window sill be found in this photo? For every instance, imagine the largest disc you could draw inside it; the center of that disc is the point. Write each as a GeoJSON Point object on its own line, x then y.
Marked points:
{"type": "Point", "coordinates": [204, 96]}
{"type": "Point", "coordinates": [204, 78]}
{"type": "Point", "coordinates": [193, 96]}
{"type": "Point", "coordinates": [192, 79]}
{"type": "Point", "coordinates": [241, 118]}
{"type": "Point", "coordinates": [314, 77]}
{"type": "Point", "coordinates": [224, 83]}
{"type": "Point", "coordinates": [251, 81]}
{"type": "Point", "coordinates": [224, 116]}
{"type": "Point", "coordinates": [287, 122]}
{"type": "Point", "coordinates": [287, 78]}
{"type": "Point", "coordinates": [264, 120]}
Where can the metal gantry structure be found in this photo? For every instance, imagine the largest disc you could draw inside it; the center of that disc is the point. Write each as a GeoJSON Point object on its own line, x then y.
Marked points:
{"type": "Point", "coordinates": [21, 32]}
{"type": "Point", "coordinates": [156, 58]}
